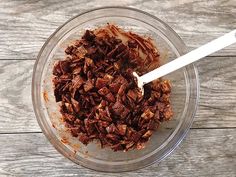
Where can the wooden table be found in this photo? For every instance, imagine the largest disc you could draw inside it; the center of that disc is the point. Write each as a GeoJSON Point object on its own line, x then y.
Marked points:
{"type": "Point", "coordinates": [208, 150]}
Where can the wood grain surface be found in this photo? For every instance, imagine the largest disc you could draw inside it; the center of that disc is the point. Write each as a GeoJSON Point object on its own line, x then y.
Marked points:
{"type": "Point", "coordinates": [28, 23]}
{"type": "Point", "coordinates": [208, 150]}
{"type": "Point", "coordinates": [203, 153]}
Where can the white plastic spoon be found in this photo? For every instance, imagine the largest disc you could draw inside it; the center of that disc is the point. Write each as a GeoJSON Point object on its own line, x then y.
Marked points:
{"type": "Point", "coordinates": [187, 59]}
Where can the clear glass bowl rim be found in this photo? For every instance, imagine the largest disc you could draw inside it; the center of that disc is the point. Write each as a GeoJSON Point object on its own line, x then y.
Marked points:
{"type": "Point", "coordinates": [174, 141]}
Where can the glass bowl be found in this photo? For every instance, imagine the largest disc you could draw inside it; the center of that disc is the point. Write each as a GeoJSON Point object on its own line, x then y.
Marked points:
{"type": "Point", "coordinates": [184, 97]}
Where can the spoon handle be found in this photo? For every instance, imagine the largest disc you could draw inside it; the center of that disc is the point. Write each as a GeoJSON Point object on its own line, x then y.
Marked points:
{"type": "Point", "coordinates": [190, 57]}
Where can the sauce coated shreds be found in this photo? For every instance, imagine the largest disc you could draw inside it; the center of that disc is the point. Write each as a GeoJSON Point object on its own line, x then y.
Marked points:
{"type": "Point", "coordinates": [98, 95]}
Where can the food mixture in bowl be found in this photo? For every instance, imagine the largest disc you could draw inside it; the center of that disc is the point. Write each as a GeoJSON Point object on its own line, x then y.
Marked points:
{"type": "Point", "coordinates": [98, 94]}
